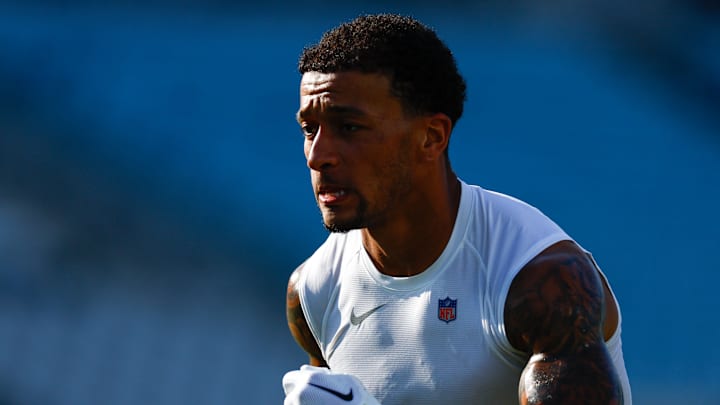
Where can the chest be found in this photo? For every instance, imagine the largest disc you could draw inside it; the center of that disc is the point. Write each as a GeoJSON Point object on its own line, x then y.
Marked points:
{"type": "Point", "coordinates": [427, 345]}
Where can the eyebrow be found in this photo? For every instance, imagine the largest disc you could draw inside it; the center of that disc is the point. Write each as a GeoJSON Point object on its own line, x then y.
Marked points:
{"type": "Point", "coordinates": [334, 110]}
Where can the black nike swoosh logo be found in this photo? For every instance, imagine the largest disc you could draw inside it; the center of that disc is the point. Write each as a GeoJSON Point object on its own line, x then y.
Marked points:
{"type": "Point", "coordinates": [344, 397]}
{"type": "Point", "coordinates": [357, 320]}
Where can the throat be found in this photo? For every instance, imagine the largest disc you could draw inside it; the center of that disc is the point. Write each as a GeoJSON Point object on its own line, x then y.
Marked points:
{"type": "Point", "coordinates": [406, 258]}
{"type": "Point", "coordinates": [415, 239]}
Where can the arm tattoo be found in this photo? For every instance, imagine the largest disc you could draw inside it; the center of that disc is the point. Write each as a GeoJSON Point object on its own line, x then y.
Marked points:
{"type": "Point", "coordinates": [298, 325]}
{"type": "Point", "coordinates": [554, 312]}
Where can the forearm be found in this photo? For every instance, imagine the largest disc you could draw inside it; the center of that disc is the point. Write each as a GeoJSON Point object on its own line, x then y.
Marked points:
{"type": "Point", "coordinates": [586, 379]}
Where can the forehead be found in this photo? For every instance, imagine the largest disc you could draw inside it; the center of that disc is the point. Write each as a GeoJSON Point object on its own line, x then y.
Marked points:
{"type": "Point", "coordinates": [330, 92]}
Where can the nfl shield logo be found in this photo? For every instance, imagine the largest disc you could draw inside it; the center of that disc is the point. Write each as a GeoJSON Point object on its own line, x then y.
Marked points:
{"type": "Point", "coordinates": [447, 309]}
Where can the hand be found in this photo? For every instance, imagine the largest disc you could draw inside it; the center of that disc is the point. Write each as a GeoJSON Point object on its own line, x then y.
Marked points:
{"type": "Point", "coordinates": [319, 386]}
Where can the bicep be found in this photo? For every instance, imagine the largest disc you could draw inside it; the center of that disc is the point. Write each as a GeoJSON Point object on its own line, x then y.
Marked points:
{"type": "Point", "coordinates": [297, 323]}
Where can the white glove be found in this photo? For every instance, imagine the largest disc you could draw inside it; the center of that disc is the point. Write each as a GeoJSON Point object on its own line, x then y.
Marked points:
{"type": "Point", "coordinates": [319, 386]}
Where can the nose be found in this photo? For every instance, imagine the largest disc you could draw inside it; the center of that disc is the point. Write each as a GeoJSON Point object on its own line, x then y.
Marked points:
{"type": "Point", "coordinates": [321, 151]}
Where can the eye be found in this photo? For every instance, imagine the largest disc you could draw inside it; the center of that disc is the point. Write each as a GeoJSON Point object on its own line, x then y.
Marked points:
{"type": "Point", "coordinates": [350, 127]}
{"type": "Point", "coordinates": [308, 130]}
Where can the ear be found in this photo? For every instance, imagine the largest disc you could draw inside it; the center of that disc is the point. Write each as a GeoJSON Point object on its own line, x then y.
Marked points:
{"type": "Point", "coordinates": [437, 136]}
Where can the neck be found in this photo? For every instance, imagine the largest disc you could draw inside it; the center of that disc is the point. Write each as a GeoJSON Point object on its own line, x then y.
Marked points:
{"type": "Point", "coordinates": [415, 239]}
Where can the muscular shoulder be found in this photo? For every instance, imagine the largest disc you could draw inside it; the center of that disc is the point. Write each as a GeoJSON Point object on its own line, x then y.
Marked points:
{"type": "Point", "coordinates": [312, 284]}
{"type": "Point", "coordinates": [297, 323]}
{"type": "Point", "coordinates": [556, 301]}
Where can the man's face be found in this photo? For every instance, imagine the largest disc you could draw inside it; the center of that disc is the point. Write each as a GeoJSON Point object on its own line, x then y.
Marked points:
{"type": "Point", "coordinates": [359, 146]}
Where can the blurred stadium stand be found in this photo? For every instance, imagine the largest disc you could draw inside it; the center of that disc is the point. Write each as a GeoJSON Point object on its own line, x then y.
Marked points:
{"type": "Point", "coordinates": [153, 196]}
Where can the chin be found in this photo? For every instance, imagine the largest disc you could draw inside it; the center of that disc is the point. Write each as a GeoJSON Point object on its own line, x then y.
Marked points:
{"type": "Point", "coordinates": [344, 221]}
{"type": "Point", "coordinates": [334, 226]}
{"type": "Point", "coordinates": [337, 227]}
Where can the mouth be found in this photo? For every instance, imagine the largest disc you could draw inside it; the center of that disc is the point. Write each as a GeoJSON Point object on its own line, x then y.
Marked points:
{"type": "Point", "coordinates": [331, 195]}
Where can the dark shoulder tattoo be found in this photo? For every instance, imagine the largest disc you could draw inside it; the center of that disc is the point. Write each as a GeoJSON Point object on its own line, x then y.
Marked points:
{"type": "Point", "coordinates": [554, 312]}
{"type": "Point", "coordinates": [555, 302]}
{"type": "Point", "coordinates": [297, 323]}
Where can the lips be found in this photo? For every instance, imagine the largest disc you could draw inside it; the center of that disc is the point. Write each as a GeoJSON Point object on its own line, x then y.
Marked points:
{"type": "Point", "coordinates": [331, 195]}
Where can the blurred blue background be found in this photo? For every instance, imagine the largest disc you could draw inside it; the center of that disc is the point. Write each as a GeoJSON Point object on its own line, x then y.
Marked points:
{"type": "Point", "coordinates": [154, 198]}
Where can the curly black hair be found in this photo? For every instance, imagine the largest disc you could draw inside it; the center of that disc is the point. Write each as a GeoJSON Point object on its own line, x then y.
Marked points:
{"type": "Point", "coordinates": [422, 70]}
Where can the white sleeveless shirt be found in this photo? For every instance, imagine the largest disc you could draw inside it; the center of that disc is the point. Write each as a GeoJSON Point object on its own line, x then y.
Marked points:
{"type": "Point", "coordinates": [437, 337]}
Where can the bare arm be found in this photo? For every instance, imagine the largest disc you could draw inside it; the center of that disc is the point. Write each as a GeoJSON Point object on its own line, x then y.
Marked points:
{"type": "Point", "coordinates": [555, 312]}
{"type": "Point", "coordinates": [297, 323]}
